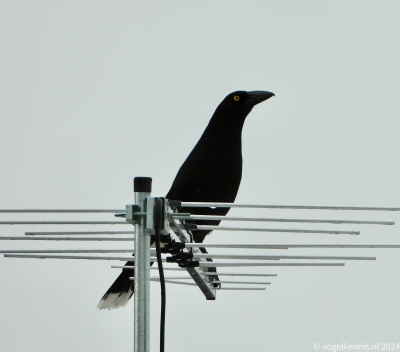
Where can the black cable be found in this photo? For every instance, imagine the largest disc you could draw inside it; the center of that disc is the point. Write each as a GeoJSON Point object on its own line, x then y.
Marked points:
{"type": "Point", "coordinates": [158, 223]}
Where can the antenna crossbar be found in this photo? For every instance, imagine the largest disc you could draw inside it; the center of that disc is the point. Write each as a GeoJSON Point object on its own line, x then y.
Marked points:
{"type": "Point", "coordinates": [222, 228]}
{"type": "Point", "coordinates": [183, 216]}
{"type": "Point", "coordinates": [39, 238]}
{"type": "Point", "coordinates": [59, 210]}
{"type": "Point", "coordinates": [274, 206]}
{"type": "Point", "coordinates": [74, 233]}
{"type": "Point", "coordinates": [63, 223]}
{"type": "Point", "coordinates": [287, 246]}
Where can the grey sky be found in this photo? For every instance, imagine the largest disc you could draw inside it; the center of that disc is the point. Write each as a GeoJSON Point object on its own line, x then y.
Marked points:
{"type": "Point", "coordinates": [94, 93]}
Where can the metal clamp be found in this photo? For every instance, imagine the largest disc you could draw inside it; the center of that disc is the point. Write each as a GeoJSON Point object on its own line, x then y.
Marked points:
{"type": "Point", "coordinates": [133, 213]}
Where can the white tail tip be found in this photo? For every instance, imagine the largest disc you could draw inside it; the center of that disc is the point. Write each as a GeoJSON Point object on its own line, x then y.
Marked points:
{"type": "Point", "coordinates": [115, 300]}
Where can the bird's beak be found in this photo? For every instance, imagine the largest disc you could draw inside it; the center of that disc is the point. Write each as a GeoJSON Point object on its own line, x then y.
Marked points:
{"type": "Point", "coordinates": [257, 96]}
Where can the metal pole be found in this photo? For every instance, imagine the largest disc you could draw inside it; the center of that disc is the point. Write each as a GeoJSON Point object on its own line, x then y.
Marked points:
{"type": "Point", "coordinates": [142, 189]}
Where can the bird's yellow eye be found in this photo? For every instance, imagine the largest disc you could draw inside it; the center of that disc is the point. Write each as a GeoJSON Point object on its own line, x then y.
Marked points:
{"type": "Point", "coordinates": [236, 98]}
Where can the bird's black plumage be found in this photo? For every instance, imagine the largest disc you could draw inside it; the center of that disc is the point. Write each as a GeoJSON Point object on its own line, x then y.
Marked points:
{"type": "Point", "coordinates": [211, 173]}
{"type": "Point", "coordinates": [213, 170]}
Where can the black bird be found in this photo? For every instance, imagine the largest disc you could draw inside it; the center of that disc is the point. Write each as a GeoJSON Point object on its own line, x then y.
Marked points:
{"type": "Point", "coordinates": [211, 173]}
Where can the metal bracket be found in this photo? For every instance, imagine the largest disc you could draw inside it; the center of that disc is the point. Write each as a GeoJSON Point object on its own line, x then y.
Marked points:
{"type": "Point", "coordinates": [197, 273]}
{"type": "Point", "coordinates": [132, 213]}
{"type": "Point", "coordinates": [149, 223]}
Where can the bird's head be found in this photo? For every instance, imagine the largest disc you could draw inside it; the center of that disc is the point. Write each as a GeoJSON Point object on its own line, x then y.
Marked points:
{"type": "Point", "coordinates": [232, 111]}
{"type": "Point", "coordinates": [245, 100]}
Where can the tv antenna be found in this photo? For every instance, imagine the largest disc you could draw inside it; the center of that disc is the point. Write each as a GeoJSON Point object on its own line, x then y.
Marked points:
{"type": "Point", "coordinates": [152, 217]}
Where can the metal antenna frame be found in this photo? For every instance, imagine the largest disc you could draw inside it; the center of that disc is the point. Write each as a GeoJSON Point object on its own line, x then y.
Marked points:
{"type": "Point", "coordinates": [140, 215]}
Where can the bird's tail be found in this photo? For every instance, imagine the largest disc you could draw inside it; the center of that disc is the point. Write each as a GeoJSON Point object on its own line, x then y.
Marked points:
{"type": "Point", "coordinates": [120, 291]}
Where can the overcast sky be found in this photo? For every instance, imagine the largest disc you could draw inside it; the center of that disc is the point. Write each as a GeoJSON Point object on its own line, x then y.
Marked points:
{"type": "Point", "coordinates": [94, 93]}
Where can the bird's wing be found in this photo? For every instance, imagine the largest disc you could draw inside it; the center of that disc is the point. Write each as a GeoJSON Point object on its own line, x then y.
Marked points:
{"type": "Point", "coordinates": [194, 173]}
